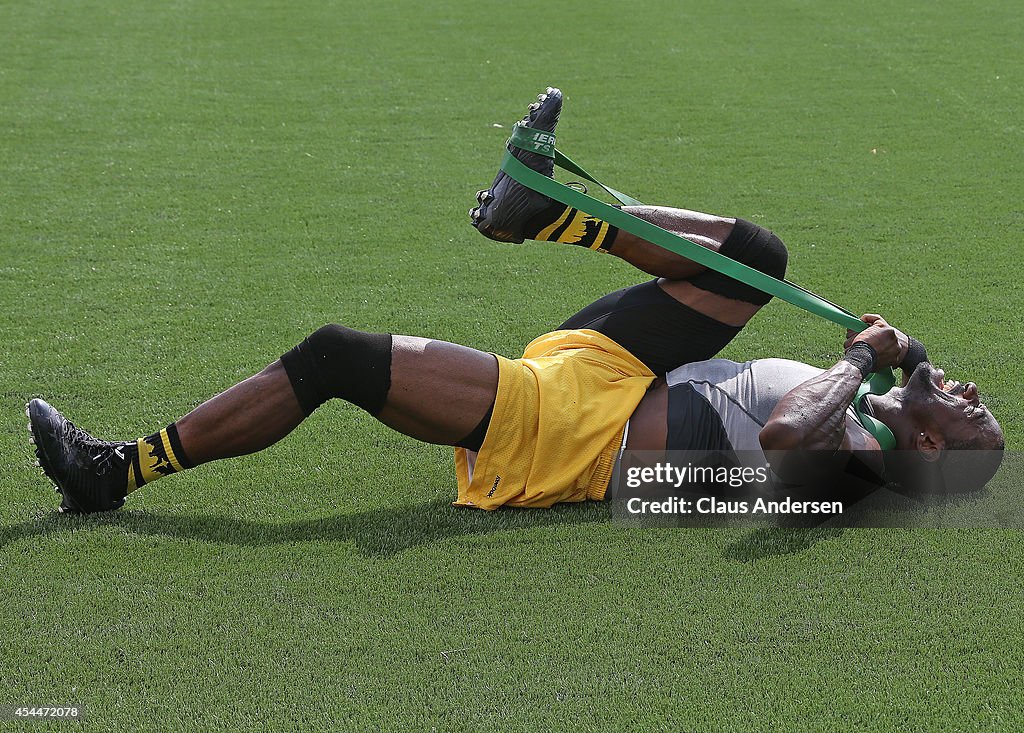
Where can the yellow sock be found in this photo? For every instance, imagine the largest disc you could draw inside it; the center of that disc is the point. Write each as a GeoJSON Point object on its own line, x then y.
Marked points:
{"type": "Point", "coordinates": [156, 456]}
{"type": "Point", "coordinates": [572, 226]}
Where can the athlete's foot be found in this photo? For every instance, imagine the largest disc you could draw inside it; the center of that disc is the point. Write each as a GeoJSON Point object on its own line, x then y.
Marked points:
{"type": "Point", "coordinates": [508, 206]}
{"type": "Point", "coordinates": [90, 474]}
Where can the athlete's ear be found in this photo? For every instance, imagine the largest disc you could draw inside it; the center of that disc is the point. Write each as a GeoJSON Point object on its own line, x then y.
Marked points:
{"type": "Point", "coordinates": [929, 445]}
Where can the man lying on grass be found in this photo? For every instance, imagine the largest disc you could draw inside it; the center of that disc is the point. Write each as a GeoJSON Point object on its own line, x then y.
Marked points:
{"type": "Point", "coordinates": [634, 369]}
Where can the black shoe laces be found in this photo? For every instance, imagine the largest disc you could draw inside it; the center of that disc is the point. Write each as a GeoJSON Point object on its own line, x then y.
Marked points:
{"type": "Point", "coordinates": [102, 453]}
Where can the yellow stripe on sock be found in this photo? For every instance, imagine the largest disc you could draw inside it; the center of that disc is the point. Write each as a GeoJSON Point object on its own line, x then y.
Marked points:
{"type": "Point", "coordinates": [601, 234]}
{"type": "Point", "coordinates": [576, 230]}
{"type": "Point", "coordinates": [169, 450]}
{"type": "Point", "coordinates": [156, 461]}
{"type": "Point", "coordinates": [544, 235]}
{"type": "Point", "coordinates": [147, 462]}
{"type": "Point", "coordinates": [132, 481]}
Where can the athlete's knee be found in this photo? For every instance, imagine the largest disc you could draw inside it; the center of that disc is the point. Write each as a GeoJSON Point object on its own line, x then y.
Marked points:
{"type": "Point", "coordinates": [759, 248]}
{"type": "Point", "coordinates": [755, 247]}
{"type": "Point", "coordinates": [335, 361]}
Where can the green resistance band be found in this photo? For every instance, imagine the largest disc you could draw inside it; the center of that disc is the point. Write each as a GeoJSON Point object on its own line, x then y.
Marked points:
{"type": "Point", "coordinates": [543, 143]}
{"type": "Point", "coordinates": [879, 383]}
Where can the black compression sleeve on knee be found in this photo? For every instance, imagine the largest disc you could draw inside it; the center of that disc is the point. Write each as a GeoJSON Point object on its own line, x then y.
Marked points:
{"type": "Point", "coordinates": [336, 361]}
{"type": "Point", "coordinates": [755, 247]}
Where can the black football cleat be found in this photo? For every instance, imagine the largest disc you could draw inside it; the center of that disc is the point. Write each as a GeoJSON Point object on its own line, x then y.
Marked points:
{"type": "Point", "coordinates": [90, 474]}
{"type": "Point", "coordinates": [507, 206]}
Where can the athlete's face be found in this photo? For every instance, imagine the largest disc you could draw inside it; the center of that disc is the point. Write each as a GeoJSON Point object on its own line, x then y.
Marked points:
{"type": "Point", "coordinates": [953, 408]}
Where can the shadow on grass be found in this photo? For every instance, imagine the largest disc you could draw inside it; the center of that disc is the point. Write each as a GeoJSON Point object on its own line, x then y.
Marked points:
{"type": "Point", "coordinates": [374, 532]}
{"type": "Point", "coordinates": [382, 532]}
{"type": "Point", "coordinates": [776, 541]}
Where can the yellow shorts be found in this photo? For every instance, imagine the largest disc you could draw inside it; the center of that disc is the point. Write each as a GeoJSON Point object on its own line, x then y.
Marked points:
{"type": "Point", "coordinates": [557, 424]}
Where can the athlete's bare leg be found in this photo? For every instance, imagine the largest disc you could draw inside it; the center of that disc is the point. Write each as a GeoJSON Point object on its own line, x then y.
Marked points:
{"type": "Point", "coordinates": [439, 392]}
{"type": "Point", "coordinates": [706, 230]}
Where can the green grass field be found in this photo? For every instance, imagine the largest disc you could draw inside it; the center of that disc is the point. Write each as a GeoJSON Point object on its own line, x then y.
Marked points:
{"type": "Point", "coordinates": [188, 189]}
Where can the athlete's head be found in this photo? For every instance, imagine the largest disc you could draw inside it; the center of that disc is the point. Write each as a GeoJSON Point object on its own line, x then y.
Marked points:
{"type": "Point", "coordinates": [951, 439]}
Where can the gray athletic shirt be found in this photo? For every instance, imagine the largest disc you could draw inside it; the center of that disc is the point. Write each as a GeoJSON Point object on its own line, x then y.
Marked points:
{"type": "Point", "coordinates": [720, 404]}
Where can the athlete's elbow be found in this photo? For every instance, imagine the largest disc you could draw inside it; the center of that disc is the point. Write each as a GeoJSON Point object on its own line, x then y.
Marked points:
{"type": "Point", "coordinates": [780, 435]}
